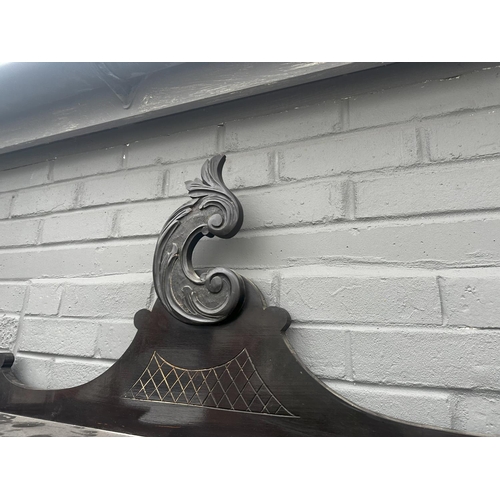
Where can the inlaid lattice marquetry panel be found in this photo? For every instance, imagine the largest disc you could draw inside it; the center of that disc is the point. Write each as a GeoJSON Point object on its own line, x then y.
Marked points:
{"type": "Point", "coordinates": [235, 385]}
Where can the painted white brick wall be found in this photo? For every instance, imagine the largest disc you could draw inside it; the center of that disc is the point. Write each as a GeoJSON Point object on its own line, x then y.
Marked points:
{"type": "Point", "coordinates": [442, 189]}
{"type": "Point", "coordinates": [5, 204]}
{"type": "Point", "coordinates": [46, 199]}
{"type": "Point", "coordinates": [183, 146]}
{"type": "Point", "coordinates": [360, 295]}
{"type": "Point", "coordinates": [285, 127]}
{"type": "Point", "coordinates": [12, 296]}
{"type": "Point", "coordinates": [471, 298]}
{"type": "Point", "coordinates": [382, 148]}
{"type": "Point", "coordinates": [31, 175]}
{"type": "Point", "coordinates": [83, 165]}
{"type": "Point", "coordinates": [78, 226]}
{"type": "Point", "coordinates": [372, 213]}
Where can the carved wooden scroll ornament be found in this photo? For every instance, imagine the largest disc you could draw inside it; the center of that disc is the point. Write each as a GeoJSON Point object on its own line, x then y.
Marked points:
{"type": "Point", "coordinates": [213, 211]}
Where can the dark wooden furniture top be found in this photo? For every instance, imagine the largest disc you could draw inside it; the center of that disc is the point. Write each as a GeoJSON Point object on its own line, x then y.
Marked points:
{"type": "Point", "coordinates": [210, 359]}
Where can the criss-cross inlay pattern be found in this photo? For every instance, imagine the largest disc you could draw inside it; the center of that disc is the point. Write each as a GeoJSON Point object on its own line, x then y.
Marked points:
{"type": "Point", "coordinates": [235, 385]}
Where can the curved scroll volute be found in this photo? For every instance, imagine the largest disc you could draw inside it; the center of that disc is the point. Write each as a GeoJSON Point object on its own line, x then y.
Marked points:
{"type": "Point", "coordinates": [213, 296]}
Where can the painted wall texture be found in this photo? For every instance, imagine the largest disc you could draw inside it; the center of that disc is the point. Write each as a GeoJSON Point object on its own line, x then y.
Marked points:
{"type": "Point", "coordinates": [372, 214]}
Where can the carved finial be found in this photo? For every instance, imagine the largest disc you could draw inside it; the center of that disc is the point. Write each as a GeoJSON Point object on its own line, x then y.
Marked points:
{"type": "Point", "coordinates": [213, 211]}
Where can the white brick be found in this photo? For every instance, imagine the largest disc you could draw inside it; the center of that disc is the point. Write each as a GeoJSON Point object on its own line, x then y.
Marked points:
{"type": "Point", "coordinates": [350, 152]}
{"type": "Point", "coordinates": [78, 260]}
{"type": "Point", "coordinates": [296, 204]}
{"type": "Point", "coordinates": [128, 257]}
{"type": "Point", "coordinates": [282, 127]}
{"type": "Point", "coordinates": [18, 232]}
{"type": "Point", "coordinates": [114, 338]}
{"type": "Point", "coordinates": [179, 174]}
{"type": "Point", "coordinates": [78, 226]}
{"type": "Point", "coordinates": [32, 371]}
{"type": "Point", "coordinates": [360, 296]}
{"type": "Point", "coordinates": [243, 170]}
{"type": "Point", "coordinates": [72, 337]}
{"type": "Point", "coordinates": [122, 186]}
{"type": "Point", "coordinates": [47, 262]}
{"type": "Point", "coordinates": [198, 143]}
{"type": "Point", "coordinates": [12, 296]}
{"type": "Point", "coordinates": [276, 206]}
{"type": "Point", "coordinates": [71, 373]}
{"type": "Point", "coordinates": [429, 98]}
{"type": "Point", "coordinates": [23, 177]}
{"type": "Point", "coordinates": [240, 170]}
{"type": "Point", "coordinates": [444, 243]}
{"type": "Point", "coordinates": [466, 136]}
{"type": "Point", "coordinates": [479, 414]}
{"type": "Point", "coordinates": [410, 405]}
{"type": "Point", "coordinates": [141, 219]}
{"type": "Point", "coordinates": [5, 202]}
{"type": "Point", "coordinates": [64, 337]}
{"type": "Point", "coordinates": [427, 358]}
{"type": "Point", "coordinates": [44, 297]}
{"type": "Point", "coordinates": [472, 297]}
{"type": "Point", "coordinates": [322, 350]}
{"type": "Point", "coordinates": [85, 164]}
{"type": "Point", "coordinates": [8, 331]}
{"type": "Point", "coordinates": [109, 296]}
{"type": "Point", "coordinates": [463, 187]}
{"type": "Point", "coordinates": [45, 199]}
{"type": "Point", "coordinates": [265, 281]}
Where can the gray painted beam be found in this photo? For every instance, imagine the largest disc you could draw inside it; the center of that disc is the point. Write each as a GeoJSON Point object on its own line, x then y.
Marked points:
{"type": "Point", "coordinates": [173, 90]}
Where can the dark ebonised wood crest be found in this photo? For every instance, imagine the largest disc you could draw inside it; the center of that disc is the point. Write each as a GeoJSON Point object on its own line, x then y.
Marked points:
{"type": "Point", "coordinates": [210, 358]}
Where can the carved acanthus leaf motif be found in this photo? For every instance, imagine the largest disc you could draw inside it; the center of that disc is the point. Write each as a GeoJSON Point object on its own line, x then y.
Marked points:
{"type": "Point", "coordinates": [213, 211]}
